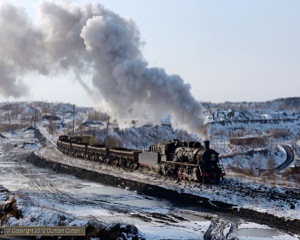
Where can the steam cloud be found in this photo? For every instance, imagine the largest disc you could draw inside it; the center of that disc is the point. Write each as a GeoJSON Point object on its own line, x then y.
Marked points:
{"type": "Point", "coordinates": [92, 39]}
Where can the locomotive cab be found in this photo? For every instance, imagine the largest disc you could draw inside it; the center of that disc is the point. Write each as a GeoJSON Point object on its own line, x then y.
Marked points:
{"type": "Point", "coordinates": [166, 150]}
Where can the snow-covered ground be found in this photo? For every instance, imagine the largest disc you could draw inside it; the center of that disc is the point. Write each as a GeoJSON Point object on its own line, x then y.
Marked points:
{"type": "Point", "coordinates": [279, 207]}
{"type": "Point", "coordinates": [48, 198]}
{"type": "Point", "coordinates": [60, 194]}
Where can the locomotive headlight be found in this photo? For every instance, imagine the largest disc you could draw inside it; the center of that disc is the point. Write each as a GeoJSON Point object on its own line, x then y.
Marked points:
{"type": "Point", "coordinates": [213, 157]}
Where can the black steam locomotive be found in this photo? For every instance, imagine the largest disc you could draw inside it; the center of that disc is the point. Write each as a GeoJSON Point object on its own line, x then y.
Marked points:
{"type": "Point", "coordinates": [189, 161]}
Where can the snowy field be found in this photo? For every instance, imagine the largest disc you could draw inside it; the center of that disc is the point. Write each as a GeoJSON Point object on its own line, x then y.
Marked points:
{"type": "Point", "coordinates": [45, 196]}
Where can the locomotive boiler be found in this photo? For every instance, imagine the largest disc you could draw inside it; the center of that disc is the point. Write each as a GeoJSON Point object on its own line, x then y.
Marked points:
{"type": "Point", "coordinates": [184, 160]}
{"type": "Point", "coordinates": [189, 161]}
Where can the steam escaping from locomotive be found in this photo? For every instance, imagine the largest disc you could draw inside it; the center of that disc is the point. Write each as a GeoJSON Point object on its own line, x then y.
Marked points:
{"type": "Point", "coordinates": [92, 40]}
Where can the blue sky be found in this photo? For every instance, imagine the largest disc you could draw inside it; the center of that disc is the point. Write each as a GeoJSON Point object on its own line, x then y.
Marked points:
{"type": "Point", "coordinates": [227, 50]}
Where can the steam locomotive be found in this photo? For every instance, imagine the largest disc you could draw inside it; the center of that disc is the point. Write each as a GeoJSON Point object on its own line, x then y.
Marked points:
{"type": "Point", "coordinates": [185, 160]}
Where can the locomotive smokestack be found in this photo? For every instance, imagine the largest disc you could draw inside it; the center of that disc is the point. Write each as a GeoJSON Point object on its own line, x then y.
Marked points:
{"type": "Point", "coordinates": [206, 143]}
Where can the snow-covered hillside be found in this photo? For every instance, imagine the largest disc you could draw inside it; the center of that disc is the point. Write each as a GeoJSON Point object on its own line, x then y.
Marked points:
{"type": "Point", "coordinates": [268, 125]}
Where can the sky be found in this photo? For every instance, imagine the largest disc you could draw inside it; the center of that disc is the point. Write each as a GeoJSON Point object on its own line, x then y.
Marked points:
{"type": "Point", "coordinates": [226, 50]}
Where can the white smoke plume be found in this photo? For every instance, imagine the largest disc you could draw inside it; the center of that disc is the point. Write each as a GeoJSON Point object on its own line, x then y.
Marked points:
{"type": "Point", "coordinates": [91, 39]}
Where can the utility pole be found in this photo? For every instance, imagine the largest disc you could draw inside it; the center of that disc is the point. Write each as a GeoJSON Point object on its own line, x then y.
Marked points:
{"type": "Point", "coordinates": [73, 119]}
{"type": "Point", "coordinates": [106, 137]}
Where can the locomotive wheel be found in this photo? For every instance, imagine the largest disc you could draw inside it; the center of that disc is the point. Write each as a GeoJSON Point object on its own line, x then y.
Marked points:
{"type": "Point", "coordinates": [181, 173]}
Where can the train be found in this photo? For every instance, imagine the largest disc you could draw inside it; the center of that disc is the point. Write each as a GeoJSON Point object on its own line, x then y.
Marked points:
{"type": "Point", "coordinates": [190, 161]}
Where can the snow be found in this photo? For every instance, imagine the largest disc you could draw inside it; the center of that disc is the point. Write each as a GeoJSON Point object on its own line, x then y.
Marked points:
{"type": "Point", "coordinates": [255, 157]}
{"type": "Point", "coordinates": [280, 128]}
{"type": "Point", "coordinates": [267, 116]}
{"type": "Point", "coordinates": [255, 231]}
{"type": "Point", "coordinates": [191, 230]}
{"type": "Point", "coordinates": [30, 146]}
{"type": "Point", "coordinates": [34, 216]}
{"type": "Point", "coordinates": [278, 208]}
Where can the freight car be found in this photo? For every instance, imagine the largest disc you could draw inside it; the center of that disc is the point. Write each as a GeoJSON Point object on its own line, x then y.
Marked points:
{"type": "Point", "coordinates": [189, 161]}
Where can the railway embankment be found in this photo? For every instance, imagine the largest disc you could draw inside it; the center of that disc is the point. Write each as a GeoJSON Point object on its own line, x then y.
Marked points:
{"type": "Point", "coordinates": [176, 196]}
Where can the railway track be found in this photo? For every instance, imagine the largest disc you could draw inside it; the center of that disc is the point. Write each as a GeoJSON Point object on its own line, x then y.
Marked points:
{"type": "Point", "coordinates": [289, 157]}
{"type": "Point", "coordinates": [233, 186]}
{"type": "Point", "coordinates": [289, 195]}
{"type": "Point", "coordinates": [46, 135]}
